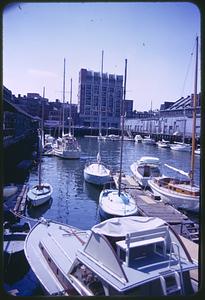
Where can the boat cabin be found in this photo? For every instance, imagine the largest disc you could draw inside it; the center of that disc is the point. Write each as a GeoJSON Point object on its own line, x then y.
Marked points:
{"type": "Point", "coordinates": [131, 256]}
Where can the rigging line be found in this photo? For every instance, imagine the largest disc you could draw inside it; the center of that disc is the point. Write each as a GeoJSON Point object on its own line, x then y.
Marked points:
{"type": "Point", "coordinates": [188, 69]}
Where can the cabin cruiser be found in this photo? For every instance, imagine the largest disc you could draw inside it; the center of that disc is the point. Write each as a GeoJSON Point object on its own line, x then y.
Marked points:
{"type": "Point", "coordinates": [138, 138]}
{"type": "Point", "coordinates": [134, 255]}
{"type": "Point", "coordinates": [148, 140]}
{"type": "Point", "coordinates": [163, 144]}
{"type": "Point", "coordinates": [145, 168]}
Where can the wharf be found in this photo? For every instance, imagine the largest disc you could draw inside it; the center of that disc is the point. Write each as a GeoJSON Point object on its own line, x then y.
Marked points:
{"type": "Point", "coordinates": [150, 207]}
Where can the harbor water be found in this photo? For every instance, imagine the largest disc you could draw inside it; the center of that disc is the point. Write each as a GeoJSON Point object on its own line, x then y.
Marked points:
{"type": "Point", "coordinates": [75, 202]}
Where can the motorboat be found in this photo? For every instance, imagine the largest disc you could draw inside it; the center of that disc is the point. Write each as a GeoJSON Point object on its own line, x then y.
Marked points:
{"type": "Point", "coordinates": [177, 192]}
{"type": "Point", "coordinates": [97, 172]}
{"type": "Point", "coordinates": [15, 265]}
{"type": "Point", "coordinates": [183, 147]}
{"type": "Point", "coordinates": [112, 204]}
{"type": "Point", "coordinates": [145, 168]}
{"type": "Point", "coordinates": [9, 190]}
{"type": "Point", "coordinates": [116, 202]}
{"type": "Point", "coordinates": [148, 140]}
{"type": "Point", "coordinates": [163, 144]}
{"type": "Point", "coordinates": [197, 151]}
{"type": "Point", "coordinates": [138, 138]}
{"type": "Point", "coordinates": [182, 193]}
{"type": "Point", "coordinates": [41, 192]}
{"type": "Point", "coordinates": [138, 256]}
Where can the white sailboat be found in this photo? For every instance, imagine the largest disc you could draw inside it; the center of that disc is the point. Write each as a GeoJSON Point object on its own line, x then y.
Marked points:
{"type": "Point", "coordinates": [181, 146]}
{"type": "Point", "coordinates": [182, 193]}
{"type": "Point", "coordinates": [114, 202]}
{"type": "Point", "coordinates": [40, 193]}
{"type": "Point", "coordinates": [67, 146]}
{"type": "Point", "coordinates": [127, 256]}
{"type": "Point", "coordinates": [96, 172]}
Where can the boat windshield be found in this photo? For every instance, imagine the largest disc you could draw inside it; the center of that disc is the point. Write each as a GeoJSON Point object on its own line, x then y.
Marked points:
{"type": "Point", "coordinates": [88, 278]}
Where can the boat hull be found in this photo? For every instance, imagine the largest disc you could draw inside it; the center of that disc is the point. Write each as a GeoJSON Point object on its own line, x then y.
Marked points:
{"type": "Point", "coordinates": [97, 176]}
{"type": "Point", "coordinates": [37, 197]}
{"type": "Point", "coordinates": [66, 154]}
{"type": "Point", "coordinates": [186, 202]}
{"type": "Point", "coordinates": [112, 205]}
{"type": "Point", "coordinates": [44, 250]}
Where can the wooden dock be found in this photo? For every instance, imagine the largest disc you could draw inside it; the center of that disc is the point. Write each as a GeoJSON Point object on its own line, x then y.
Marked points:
{"type": "Point", "coordinates": [20, 205]}
{"type": "Point", "coordinates": [150, 207]}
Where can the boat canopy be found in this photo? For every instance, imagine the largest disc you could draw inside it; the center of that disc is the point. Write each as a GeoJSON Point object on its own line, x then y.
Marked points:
{"type": "Point", "coordinates": [149, 160]}
{"type": "Point", "coordinates": [119, 227]}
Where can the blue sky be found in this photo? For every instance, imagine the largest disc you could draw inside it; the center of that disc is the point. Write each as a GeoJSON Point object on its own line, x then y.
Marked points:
{"type": "Point", "coordinates": [157, 40]}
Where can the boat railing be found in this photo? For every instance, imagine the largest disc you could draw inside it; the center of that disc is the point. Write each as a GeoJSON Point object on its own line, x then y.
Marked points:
{"type": "Point", "coordinates": [143, 238]}
{"type": "Point", "coordinates": [172, 252]}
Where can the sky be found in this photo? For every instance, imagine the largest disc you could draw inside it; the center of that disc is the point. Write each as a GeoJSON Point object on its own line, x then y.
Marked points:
{"type": "Point", "coordinates": [157, 39]}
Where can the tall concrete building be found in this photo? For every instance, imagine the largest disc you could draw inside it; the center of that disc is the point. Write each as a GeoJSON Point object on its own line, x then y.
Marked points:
{"type": "Point", "coordinates": [92, 90]}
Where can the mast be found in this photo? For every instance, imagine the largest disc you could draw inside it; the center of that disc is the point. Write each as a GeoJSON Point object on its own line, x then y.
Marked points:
{"type": "Point", "coordinates": [100, 102]}
{"type": "Point", "coordinates": [63, 98]}
{"type": "Point", "coordinates": [194, 117]}
{"type": "Point", "coordinates": [42, 119]}
{"type": "Point", "coordinates": [100, 108]}
{"type": "Point", "coordinates": [40, 138]}
{"type": "Point", "coordinates": [122, 136]}
{"type": "Point", "coordinates": [70, 107]}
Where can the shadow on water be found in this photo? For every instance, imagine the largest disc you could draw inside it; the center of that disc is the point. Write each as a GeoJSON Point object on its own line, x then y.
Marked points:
{"type": "Point", "coordinates": [39, 211]}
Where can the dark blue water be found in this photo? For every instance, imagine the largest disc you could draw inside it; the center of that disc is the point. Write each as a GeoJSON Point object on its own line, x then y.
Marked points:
{"type": "Point", "coordinates": [74, 201]}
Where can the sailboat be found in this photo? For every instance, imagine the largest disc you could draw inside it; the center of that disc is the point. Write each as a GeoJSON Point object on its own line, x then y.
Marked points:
{"type": "Point", "coordinates": [41, 192]}
{"type": "Point", "coordinates": [182, 193]}
{"type": "Point", "coordinates": [181, 146]}
{"type": "Point", "coordinates": [67, 146]}
{"type": "Point", "coordinates": [115, 202]}
{"type": "Point", "coordinates": [96, 172]}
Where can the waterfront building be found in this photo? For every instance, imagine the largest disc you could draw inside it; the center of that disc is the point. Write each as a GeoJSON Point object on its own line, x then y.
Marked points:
{"type": "Point", "coordinates": [89, 96]}
{"type": "Point", "coordinates": [173, 118]}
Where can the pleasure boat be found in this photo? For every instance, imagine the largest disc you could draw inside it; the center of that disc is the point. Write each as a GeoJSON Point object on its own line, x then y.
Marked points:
{"type": "Point", "coordinates": [41, 192]}
{"type": "Point", "coordinates": [145, 168]}
{"type": "Point", "coordinates": [183, 147]}
{"type": "Point", "coordinates": [138, 138]}
{"type": "Point", "coordinates": [97, 173]}
{"type": "Point", "coordinates": [138, 256]}
{"type": "Point", "coordinates": [178, 193]}
{"type": "Point", "coordinates": [113, 204]}
{"type": "Point", "coordinates": [67, 147]}
{"type": "Point", "coordinates": [148, 140]}
{"type": "Point", "coordinates": [163, 144]}
{"type": "Point", "coordinates": [197, 151]}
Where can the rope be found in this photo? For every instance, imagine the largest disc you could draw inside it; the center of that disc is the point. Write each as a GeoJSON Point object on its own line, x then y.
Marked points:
{"type": "Point", "coordinates": [22, 216]}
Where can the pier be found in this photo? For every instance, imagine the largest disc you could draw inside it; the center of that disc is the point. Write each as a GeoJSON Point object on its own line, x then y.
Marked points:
{"type": "Point", "coordinates": [150, 207]}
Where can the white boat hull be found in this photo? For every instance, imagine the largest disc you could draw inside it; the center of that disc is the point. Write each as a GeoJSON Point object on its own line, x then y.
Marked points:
{"type": "Point", "coordinates": [182, 148]}
{"type": "Point", "coordinates": [97, 174]}
{"type": "Point", "coordinates": [138, 169]}
{"type": "Point", "coordinates": [112, 205]}
{"type": "Point", "coordinates": [181, 201]}
{"type": "Point", "coordinates": [56, 237]}
{"type": "Point", "coordinates": [38, 196]}
{"type": "Point", "coordinates": [67, 154]}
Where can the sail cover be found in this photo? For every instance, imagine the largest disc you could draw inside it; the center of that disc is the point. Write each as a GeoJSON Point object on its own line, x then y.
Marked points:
{"type": "Point", "coordinates": [118, 227]}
